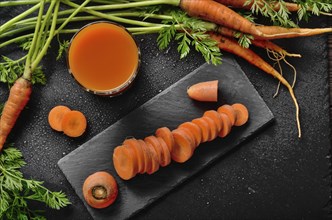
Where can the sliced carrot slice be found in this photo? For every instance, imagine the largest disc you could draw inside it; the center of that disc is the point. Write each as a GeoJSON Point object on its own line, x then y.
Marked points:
{"type": "Point", "coordinates": [242, 114]}
{"type": "Point", "coordinates": [166, 134]}
{"type": "Point", "coordinates": [190, 135]}
{"type": "Point", "coordinates": [147, 156]}
{"type": "Point", "coordinates": [183, 148]}
{"type": "Point", "coordinates": [194, 129]}
{"type": "Point", "coordinates": [133, 144]}
{"type": "Point", "coordinates": [226, 127]}
{"type": "Point", "coordinates": [55, 116]}
{"type": "Point", "coordinates": [74, 123]}
{"type": "Point", "coordinates": [154, 159]}
{"type": "Point", "coordinates": [204, 126]}
{"type": "Point", "coordinates": [156, 145]}
{"type": "Point", "coordinates": [229, 111]}
{"type": "Point", "coordinates": [212, 128]}
{"type": "Point", "coordinates": [215, 116]}
{"type": "Point", "coordinates": [124, 163]}
{"type": "Point", "coordinates": [166, 154]}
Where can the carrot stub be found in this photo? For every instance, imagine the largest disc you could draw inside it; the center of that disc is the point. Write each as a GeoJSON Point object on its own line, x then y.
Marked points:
{"type": "Point", "coordinates": [74, 123]}
{"type": "Point", "coordinates": [242, 114]}
{"type": "Point", "coordinates": [204, 91]}
{"type": "Point", "coordinates": [100, 189]}
{"type": "Point", "coordinates": [55, 116]}
{"type": "Point", "coordinates": [18, 98]}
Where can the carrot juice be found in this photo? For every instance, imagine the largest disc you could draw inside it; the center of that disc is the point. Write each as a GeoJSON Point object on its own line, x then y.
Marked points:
{"type": "Point", "coordinates": [104, 58]}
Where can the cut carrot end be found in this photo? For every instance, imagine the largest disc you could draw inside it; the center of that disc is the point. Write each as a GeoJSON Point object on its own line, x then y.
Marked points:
{"type": "Point", "coordinates": [204, 91]}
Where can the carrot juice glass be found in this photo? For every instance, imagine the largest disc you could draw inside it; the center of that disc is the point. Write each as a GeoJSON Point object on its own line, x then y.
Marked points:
{"type": "Point", "coordinates": [103, 58]}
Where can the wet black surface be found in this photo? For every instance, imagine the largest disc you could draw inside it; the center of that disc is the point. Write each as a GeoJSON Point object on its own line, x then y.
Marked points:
{"type": "Point", "coordinates": [274, 175]}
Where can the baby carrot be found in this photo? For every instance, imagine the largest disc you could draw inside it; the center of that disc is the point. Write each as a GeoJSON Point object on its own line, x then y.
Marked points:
{"type": "Point", "coordinates": [19, 96]}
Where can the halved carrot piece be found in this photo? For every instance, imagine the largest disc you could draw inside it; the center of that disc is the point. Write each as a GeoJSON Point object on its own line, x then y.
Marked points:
{"type": "Point", "coordinates": [194, 129]}
{"type": "Point", "coordinates": [229, 111]}
{"type": "Point", "coordinates": [74, 123]}
{"type": "Point", "coordinates": [133, 143]}
{"type": "Point", "coordinates": [242, 114]}
{"type": "Point", "coordinates": [215, 116]}
{"type": "Point", "coordinates": [204, 126]}
{"type": "Point", "coordinates": [124, 163]}
{"type": "Point", "coordinates": [156, 145]}
{"type": "Point", "coordinates": [166, 134]}
{"type": "Point", "coordinates": [55, 116]}
{"type": "Point", "coordinates": [184, 146]}
{"type": "Point", "coordinates": [226, 127]}
{"type": "Point", "coordinates": [204, 91]}
{"type": "Point", "coordinates": [166, 154]}
{"type": "Point", "coordinates": [212, 128]}
{"type": "Point", "coordinates": [154, 159]}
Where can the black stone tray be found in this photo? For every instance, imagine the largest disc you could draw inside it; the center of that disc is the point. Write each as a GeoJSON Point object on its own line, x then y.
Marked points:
{"type": "Point", "coordinates": [169, 108]}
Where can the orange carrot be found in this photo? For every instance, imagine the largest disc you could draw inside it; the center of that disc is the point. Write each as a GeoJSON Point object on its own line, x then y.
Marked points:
{"type": "Point", "coordinates": [226, 125]}
{"type": "Point", "coordinates": [55, 116]}
{"type": "Point", "coordinates": [154, 159]}
{"type": "Point", "coordinates": [74, 123]}
{"type": "Point", "coordinates": [166, 134]}
{"type": "Point", "coordinates": [166, 154]}
{"type": "Point", "coordinates": [215, 116]}
{"type": "Point", "coordinates": [247, 54]}
{"type": "Point", "coordinates": [229, 111]}
{"type": "Point", "coordinates": [270, 46]}
{"type": "Point", "coordinates": [147, 156]}
{"type": "Point", "coordinates": [136, 147]}
{"type": "Point", "coordinates": [222, 15]}
{"type": "Point", "coordinates": [242, 114]}
{"type": "Point", "coordinates": [183, 148]}
{"type": "Point", "coordinates": [100, 190]}
{"type": "Point", "coordinates": [194, 129]}
{"type": "Point", "coordinates": [19, 96]}
{"type": "Point", "coordinates": [124, 163]}
{"type": "Point", "coordinates": [189, 135]}
{"type": "Point", "coordinates": [204, 91]}
{"type": "Point", "coordinates": [153, 141]}
{"type": "Point", "coordinates": [213, 129]}
{"type": "Point", "coordinates": [204, 126]}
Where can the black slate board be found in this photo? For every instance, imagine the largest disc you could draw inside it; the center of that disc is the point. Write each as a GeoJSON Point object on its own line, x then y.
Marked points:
{"type": "Point", "coordinates": [169, 108]}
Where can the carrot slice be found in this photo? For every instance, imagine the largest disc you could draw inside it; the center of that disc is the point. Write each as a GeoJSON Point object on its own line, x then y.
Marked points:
{"type": "Point", "coordinates": [166, 154]}
{"type": "Point", "coordinates": [184, 146]}
{"type": "Point", "coordinates": [156, 145]}
{"type": "Point", "coordinates": [124, 163]}
{"type": "Point", "coordinates": [55, 116]}
{"type": "Point", "coordinates": [166, 134]}
{"type": "Point", "coordinates": [74, 123]}
{"type": "Point", "coordinates": [204, 126]}
{"type": "Point", "coordinates": [147, 156]}
{"type": "Point", "coordinates": [133, 144]}
{"type": "Point", "coordinates": [242, 114]}
{"type": "Point", "coordinates": [227, 125]}
{"type": "Point", "coordinates": [194, 129]}
{"type": "Point", "coordinates": [154, 159]}
{"type": "Point", "coordinates": [215, 116]}
{"type": "Point", "coordinates": [212, 128]}
{"type": "Point", "coordinates": [204, 91]}
{"type": "Point", "coordinates": [229, 111]}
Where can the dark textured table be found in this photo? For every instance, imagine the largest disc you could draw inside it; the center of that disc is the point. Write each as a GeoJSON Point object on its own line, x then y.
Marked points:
{"type": "Point", "coordinates": [273, 175]}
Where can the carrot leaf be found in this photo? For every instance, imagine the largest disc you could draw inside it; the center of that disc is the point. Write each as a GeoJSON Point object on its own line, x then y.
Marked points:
{"type": "Point", "coordinates": [16, 191]}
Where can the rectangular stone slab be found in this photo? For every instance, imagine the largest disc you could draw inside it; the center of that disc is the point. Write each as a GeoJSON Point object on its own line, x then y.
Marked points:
{"type": "Point", "coordinates": [169, 108]}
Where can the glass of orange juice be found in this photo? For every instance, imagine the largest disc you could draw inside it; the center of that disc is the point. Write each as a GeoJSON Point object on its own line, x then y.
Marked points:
{"type": "Point", "coordinates": [103, 58]}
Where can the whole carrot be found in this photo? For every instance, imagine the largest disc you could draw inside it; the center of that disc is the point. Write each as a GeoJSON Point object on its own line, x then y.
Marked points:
{"type": "Point", "coordinates": [232, 46]}
{"type": "Point", "coordinates": [220, 14]}
{"type": "Point", "coordinates": [18, 98]}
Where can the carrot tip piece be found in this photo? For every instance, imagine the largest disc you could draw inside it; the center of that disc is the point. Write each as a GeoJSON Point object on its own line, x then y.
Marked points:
{"type": "Point", "coordinates": [204, 91]}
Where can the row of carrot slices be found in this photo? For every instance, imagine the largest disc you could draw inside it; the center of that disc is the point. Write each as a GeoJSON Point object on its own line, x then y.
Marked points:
{"type": "Point", "coordinates": [139, 156]}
